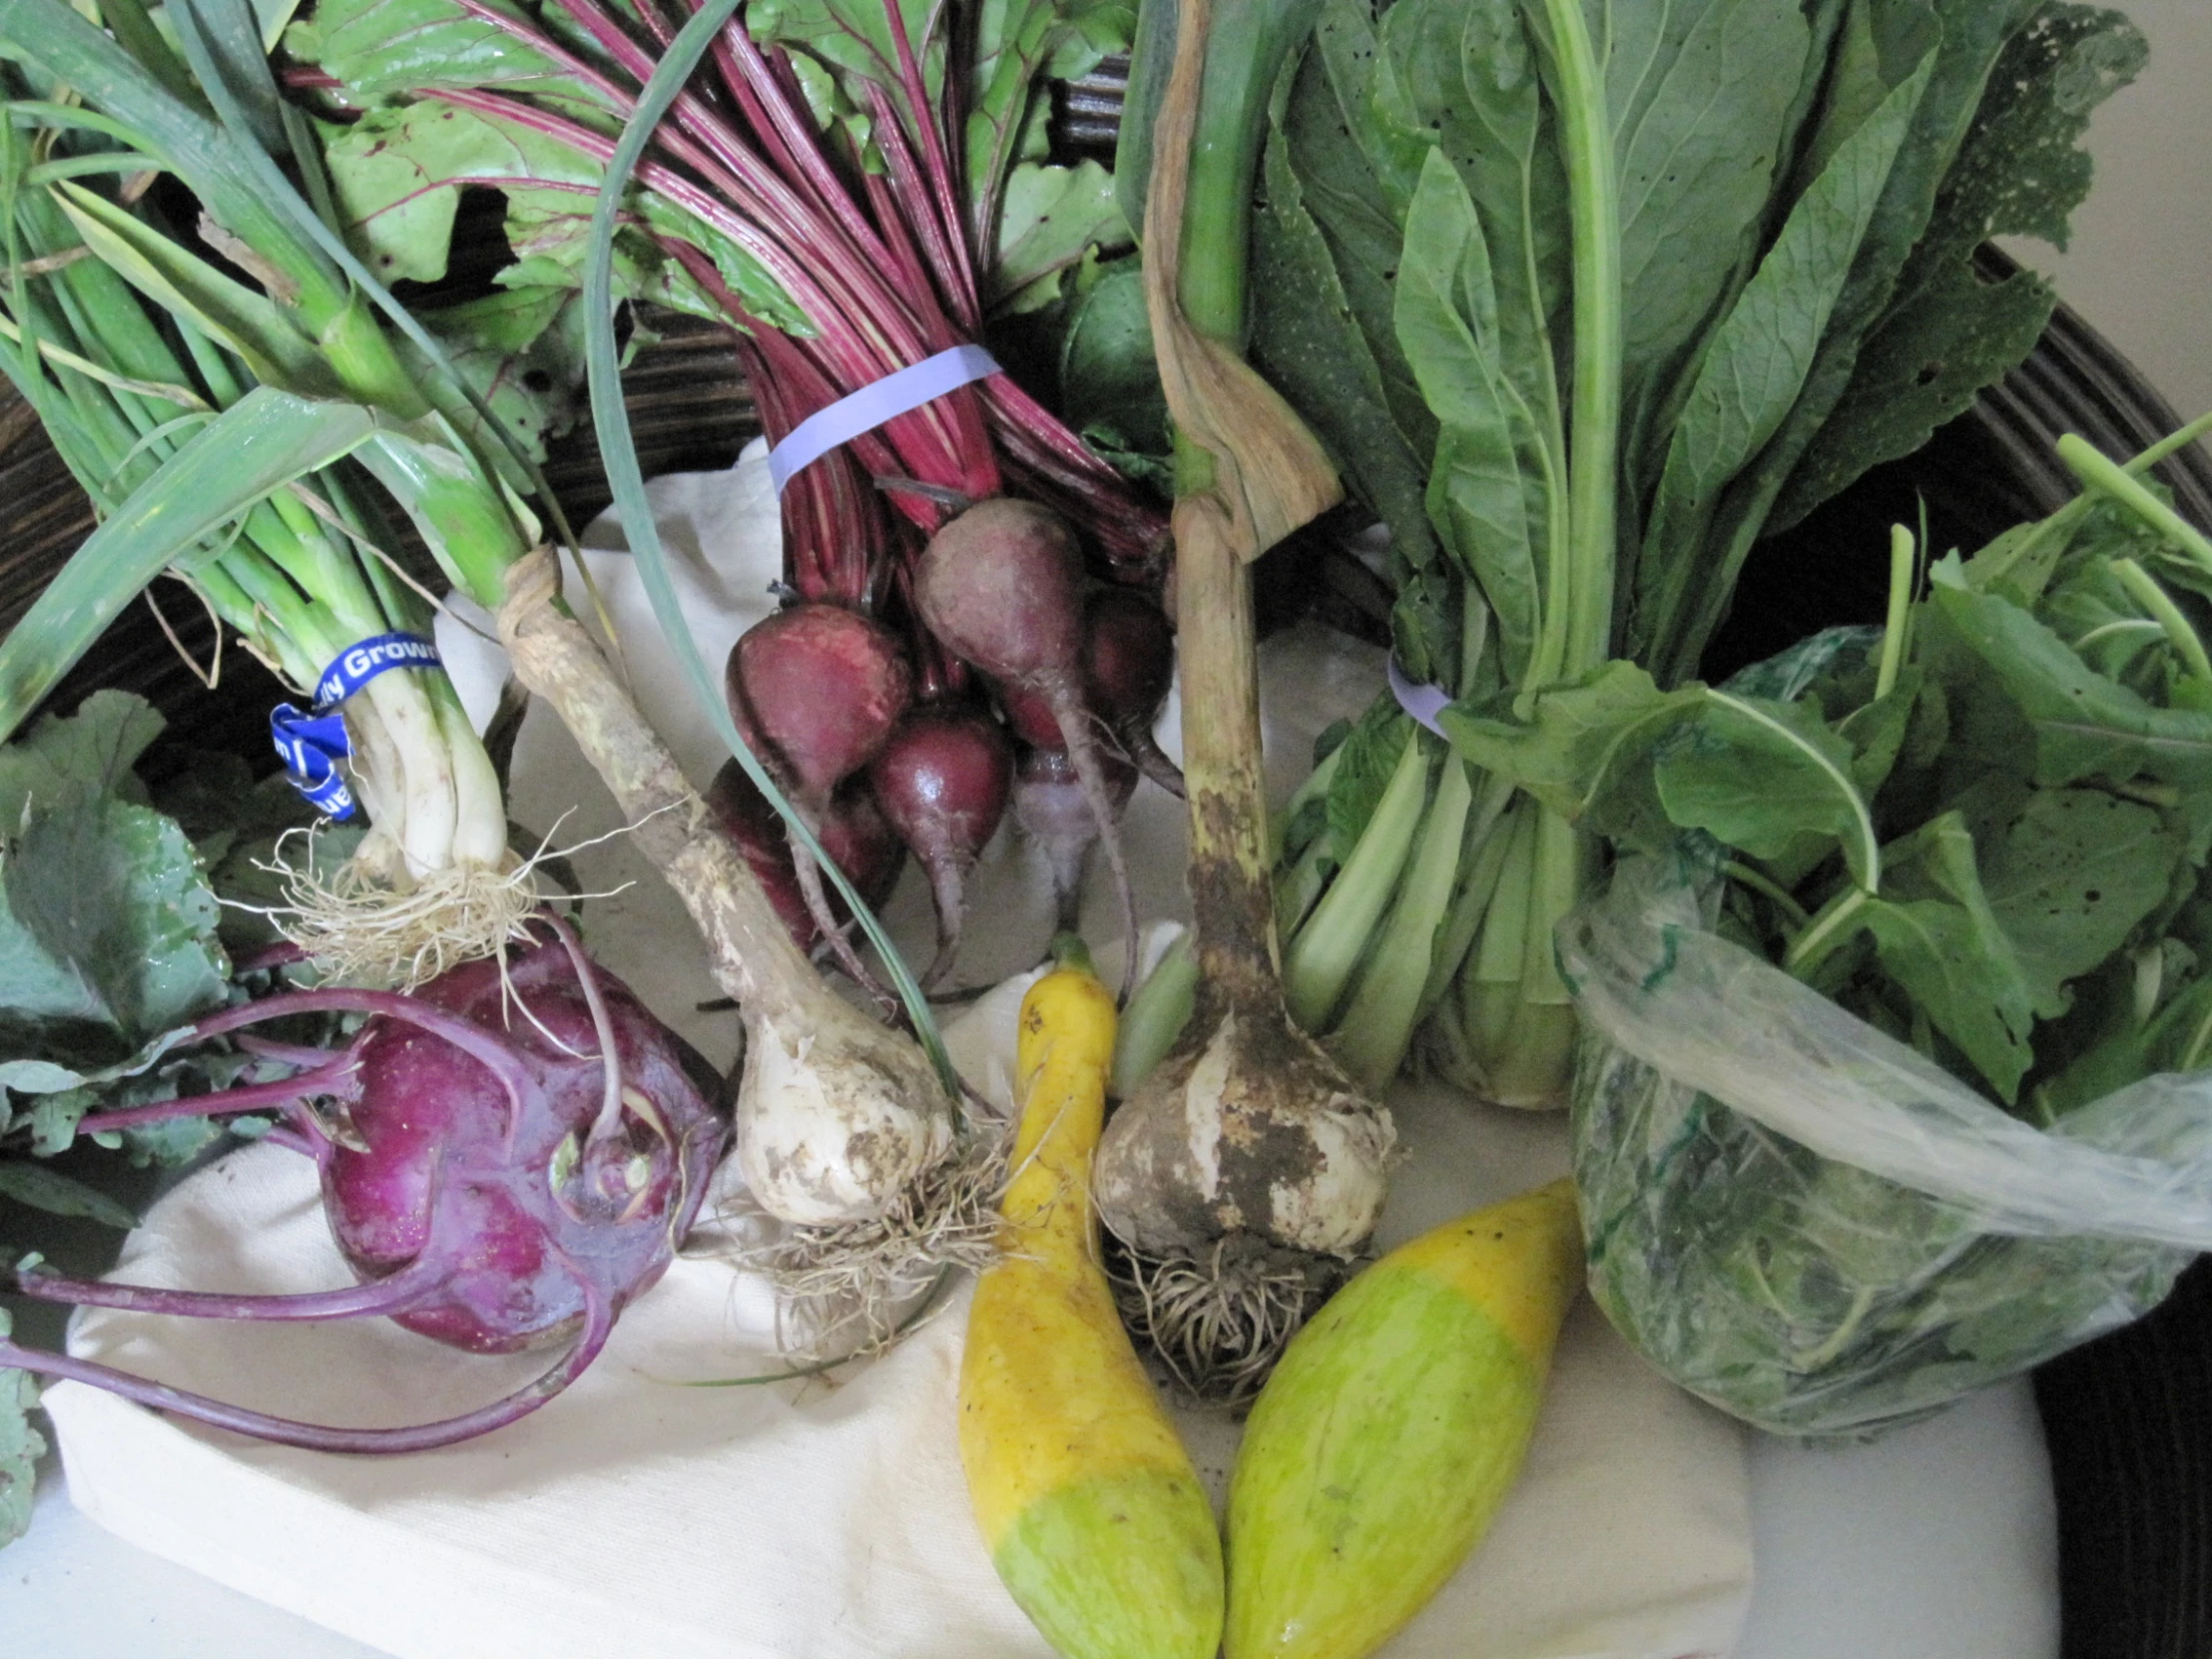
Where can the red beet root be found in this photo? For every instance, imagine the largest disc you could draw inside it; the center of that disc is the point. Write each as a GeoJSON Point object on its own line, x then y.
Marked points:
{"type": "Point", "coordinates": [1002, 587]}
{"type": "Point", "coordinates": [942, 782]}
{"type": "Point", "coordinates": [817, 688]}
{"type": "Point", "coordinates": [854, 832]}
{"type": "Point", "coordinates": [1054, 811]}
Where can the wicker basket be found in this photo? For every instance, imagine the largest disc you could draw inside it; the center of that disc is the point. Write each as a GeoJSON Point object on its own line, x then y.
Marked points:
{"type": "Point", "coordinates": [2128, 1419]}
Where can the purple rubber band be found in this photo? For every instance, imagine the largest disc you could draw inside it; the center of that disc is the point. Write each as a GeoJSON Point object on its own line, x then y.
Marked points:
{"type": "Point", "coordinates": [874, 403]}
{"type": "Point", "coordinates": [1423, 703]}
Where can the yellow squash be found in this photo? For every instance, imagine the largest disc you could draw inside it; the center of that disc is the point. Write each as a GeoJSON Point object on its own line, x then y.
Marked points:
{"type": "Point", "coordinates": [1085, 1496]}
{"type": "Point", "coordinates": [1391, 1430]}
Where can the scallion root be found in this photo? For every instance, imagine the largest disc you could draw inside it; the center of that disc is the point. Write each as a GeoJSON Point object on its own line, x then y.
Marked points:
{"type": "Point", "coordinates": [360, 928]}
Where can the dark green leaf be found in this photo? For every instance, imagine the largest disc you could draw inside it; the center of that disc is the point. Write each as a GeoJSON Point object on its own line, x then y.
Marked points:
{"type": "Point", "coordinates": [1942, 942]}
{"type": "Point", "coordinates": [1365, 767]}
{"type": "Point", "coordinates": [384, 49]}
{"type": "Point", "coordinates": [1766, 777]}
{"type": "Point", "coordinates": [1107, 369]}
{"type": "Point", "coordinates": [1307, 340]}
{"type": "Point", "coordinates": [2084, 725]}
{"type": "Point", "coordinates": [1948, 331]}
{"type": "Point", "coordinates": [62, 763]}
{"type": "Point", "coordinates": [2073, 876]}
{"type": "Point", "coordinates": [42, 1187]}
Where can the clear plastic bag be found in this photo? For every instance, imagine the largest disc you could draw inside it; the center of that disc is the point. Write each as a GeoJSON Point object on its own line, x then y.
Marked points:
{"type": "Point", "coordinates": [1810, 1225]}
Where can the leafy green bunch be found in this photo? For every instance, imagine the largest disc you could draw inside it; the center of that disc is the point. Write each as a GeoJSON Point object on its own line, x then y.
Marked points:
{"type": "Point", "coordinates": [1758, 258]}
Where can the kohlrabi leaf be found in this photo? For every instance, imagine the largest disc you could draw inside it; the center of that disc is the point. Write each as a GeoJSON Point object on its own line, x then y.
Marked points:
{"type": "Point", "coordinates": [108, 931]}
{"type": "Point", "coordinates": [1107, 370]}
{"type": "Point", "coordinates": [63, 763]}
{"type": "Point", "coordinates": [20, 1447]}
{"type": "Point", "coordinates": [1948, 331]}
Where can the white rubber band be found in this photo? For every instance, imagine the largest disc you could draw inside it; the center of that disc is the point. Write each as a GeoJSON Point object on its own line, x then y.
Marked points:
{"type": "Point", "coordinates": [874, 403]}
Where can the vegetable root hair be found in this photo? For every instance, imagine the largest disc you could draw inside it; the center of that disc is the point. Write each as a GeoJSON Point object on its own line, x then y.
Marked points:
{"type": "Point", "coordinates": [845, 1290]}
{"type": "Point", "coordinates": [1218, 1318]}
{"type": "Point", "coordinates": [359, 930]}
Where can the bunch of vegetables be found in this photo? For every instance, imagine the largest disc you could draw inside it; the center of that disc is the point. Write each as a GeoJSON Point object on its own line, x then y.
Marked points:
{"type": "Point", "coordinates": [1981, 830]}
{"type": "Point", "coordinates": [1593, 315]}
{"type": "Point", "coordinates": [855, 194]}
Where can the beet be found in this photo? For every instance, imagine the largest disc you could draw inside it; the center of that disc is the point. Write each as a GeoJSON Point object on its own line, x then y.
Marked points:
{"type": "Point", "coordinates": [501, 1181]}
{"type": "Point", "coordinates": [1002, 587]}
{"type": "Point", "coordinates": [816, 690]}
{"type": "Point", "coordinates": [854, 832]}
{"type": "Point", "coordinates": [943, 782]}
{"type": "Point", "coordinates": [1054, 811]}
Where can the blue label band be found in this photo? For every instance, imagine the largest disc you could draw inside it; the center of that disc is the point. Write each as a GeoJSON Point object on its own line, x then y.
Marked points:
{"type": "Point", "coordinates": [874, 403]}
{"type": "Point", "coordinates": [359, 664]}
{"type": "Point", "coordinates": [313, 743]}
{"type": "Point", "coordinates": [1423, 703]}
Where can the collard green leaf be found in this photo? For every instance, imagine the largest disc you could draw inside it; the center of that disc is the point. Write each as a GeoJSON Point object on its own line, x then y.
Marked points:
{"type": "Point", "coordinates": [1756, 367]}
{"type": "Point", "coordinates": [1308, 343]}
{"type": "Point", "coordinates": [20, 1447]}
{"type": "Point", "coordinates": [1699, 91]}
{"type": "Point", "coordinates": [1971, 37]}
{"type": "Point", "coordinates": [1478, 499]}
{"type": "Point", "coordinates": [1948, 331]}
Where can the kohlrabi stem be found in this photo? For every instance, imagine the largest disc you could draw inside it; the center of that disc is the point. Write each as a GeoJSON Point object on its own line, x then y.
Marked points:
{"type": "Point", "coordinates": [395, 1293]}
{"type": "Point", "coordinates": [261, 1425]}
{"type": "Point", "coordinates": [327, 1079]}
